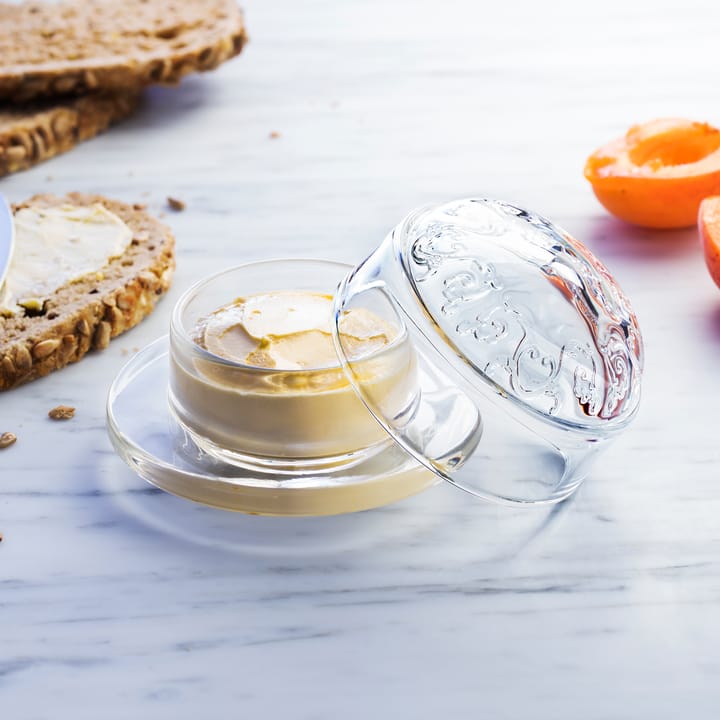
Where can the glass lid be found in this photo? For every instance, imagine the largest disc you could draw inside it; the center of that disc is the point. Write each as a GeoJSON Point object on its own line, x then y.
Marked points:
{"type": "Point", "coordinates": [521, 356]}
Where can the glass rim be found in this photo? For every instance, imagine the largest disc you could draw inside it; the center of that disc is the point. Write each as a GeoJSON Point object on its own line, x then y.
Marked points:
{"type": "Point", "coordinates": [179, 331]}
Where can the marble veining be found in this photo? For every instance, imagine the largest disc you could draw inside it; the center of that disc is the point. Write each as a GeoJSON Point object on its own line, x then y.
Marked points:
{"type": "Point", "coordinates": [119, 601]}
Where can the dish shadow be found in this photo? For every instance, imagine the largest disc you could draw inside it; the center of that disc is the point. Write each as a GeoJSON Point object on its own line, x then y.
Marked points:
{"type": "Point", "coordinates": [162, 106]}
{"type": "Point", "coordinates": [439, 520]}
{"type": "Point", "coordinates": [713, 323]}
{"type": "Point", "coordinates": [614, 238]}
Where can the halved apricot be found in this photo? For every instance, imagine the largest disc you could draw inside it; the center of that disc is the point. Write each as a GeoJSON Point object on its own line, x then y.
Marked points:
{"type": "Point", "coordinates": [709, 225]}
{"type": "Point", "coordinates": [657, 175]}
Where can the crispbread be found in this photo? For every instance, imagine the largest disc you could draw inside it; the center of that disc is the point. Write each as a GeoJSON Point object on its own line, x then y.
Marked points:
{"type": "Point", "coordinates": [44, 129]}
{"type": "Point", "coordinates": [50, 49]}
{"type": "Point", "coordinates": [86, 314]}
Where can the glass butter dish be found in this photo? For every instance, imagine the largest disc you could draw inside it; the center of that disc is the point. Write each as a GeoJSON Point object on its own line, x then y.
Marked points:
{"type": "Point", "coordinates": [479, 344]}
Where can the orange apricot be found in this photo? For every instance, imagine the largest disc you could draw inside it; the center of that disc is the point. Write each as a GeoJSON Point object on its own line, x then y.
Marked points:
{"type": "Point", "coordinates": [709, 226]}
{"type": "Point", "coordinates": [657, 175]}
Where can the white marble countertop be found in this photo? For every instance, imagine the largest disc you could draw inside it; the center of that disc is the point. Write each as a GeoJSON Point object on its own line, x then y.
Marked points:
{"type": "Point", "coordinates": [117, 602]}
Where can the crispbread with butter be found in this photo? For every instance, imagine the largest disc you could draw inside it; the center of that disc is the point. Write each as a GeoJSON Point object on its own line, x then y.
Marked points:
{"type": "Point", "coordinates": [85, 313]}
{"type": "Point", "coordinates": [76, 46]}
{"type": "Point", "coordinates": [42, 130]}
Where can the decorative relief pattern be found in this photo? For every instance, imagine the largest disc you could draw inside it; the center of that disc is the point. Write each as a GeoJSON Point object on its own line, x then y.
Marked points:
{"type": "Point", "coordinates": [480, 303]}
{"type": "Point", "coordinates": [469, 285]}
{"type": "Point", "coordinates": [522, 365]}
{"type": "Point", "coordinates": [615, 353]}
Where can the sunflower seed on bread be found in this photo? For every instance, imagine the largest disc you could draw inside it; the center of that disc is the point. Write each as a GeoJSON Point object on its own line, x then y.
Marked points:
{"type": "Point", "coordinates": [76, 46]}
{"type": "Point", "coordinates": [86, 313]}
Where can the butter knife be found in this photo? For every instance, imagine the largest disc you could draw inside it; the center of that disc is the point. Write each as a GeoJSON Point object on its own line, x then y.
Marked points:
{"type": "Point", "coordinates": [7, 237]}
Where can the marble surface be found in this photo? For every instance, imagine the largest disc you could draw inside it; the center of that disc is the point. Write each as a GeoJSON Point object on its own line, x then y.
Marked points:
{"type": "Point", "coordinates": [118, 602]}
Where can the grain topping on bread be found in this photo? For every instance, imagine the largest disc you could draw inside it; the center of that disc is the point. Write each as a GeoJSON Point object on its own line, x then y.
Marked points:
{"type": "Point", "coordinates": [62, 412]}
{"type": "Point", "coordinates": [87, 311]}
{"type": "Point", "coordinates": [41, 130]}
{"type": "Point", "coordinates": [82, 45]}
{"type": "Point", "coordinates": [7, 439]}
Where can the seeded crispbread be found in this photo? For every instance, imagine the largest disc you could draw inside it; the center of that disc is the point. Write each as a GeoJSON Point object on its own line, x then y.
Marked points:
{"type": "Point", "coordinates": [76, 46]}
{"type": "Point", "coordinates": [35, 133]}
{"type": "Point", "coordinates": [85, 314]}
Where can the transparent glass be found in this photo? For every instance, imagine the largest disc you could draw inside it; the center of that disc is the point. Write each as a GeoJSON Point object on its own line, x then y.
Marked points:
{"type": "Point", "coordinates": [528, 355]}
{"type": "Point", "coordinates": [148, 438]}
{"type": "Point", "coordinates": [513, 360]}
{"type": "Point", "coordinates": [275, 418]}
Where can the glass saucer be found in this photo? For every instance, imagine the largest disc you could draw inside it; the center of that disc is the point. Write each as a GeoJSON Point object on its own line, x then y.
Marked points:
{"type": "Point", "coordinates": [148, 439]}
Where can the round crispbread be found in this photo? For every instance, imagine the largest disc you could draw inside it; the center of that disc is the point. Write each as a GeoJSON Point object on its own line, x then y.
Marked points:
{"type": "Point", "coordinates": [77, 46]}
{"type": "Point", "coordinates": [42, 130]}
{"type": "Point", "coordinates": [85, 314]}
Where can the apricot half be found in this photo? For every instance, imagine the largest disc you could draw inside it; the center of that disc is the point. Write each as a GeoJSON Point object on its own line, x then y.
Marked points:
{"type": "Point", "coordinates": [709, 225]}
{"type": "Point", "coordinates": [657, 175]}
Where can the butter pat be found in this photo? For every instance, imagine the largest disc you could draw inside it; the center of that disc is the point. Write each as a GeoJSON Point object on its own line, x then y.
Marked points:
{"type": "Point", "coordinates": [289, 331]}
{"type": "Point", "coordinates": [56, 246]}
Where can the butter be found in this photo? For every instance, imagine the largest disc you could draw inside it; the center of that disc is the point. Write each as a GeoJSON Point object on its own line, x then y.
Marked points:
{"type": "Point", "coordinates": [285, 395]}
{"type": "Point", "coordinates": [289, 331]}
{"type": "Point", "coordinates": [56, 246]}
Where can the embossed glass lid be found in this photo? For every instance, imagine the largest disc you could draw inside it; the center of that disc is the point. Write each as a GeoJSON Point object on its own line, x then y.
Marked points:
{"type": "Point", "coordinates": [522, 356]}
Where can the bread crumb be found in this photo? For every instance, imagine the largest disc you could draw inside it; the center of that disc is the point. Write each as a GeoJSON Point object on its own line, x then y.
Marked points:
{"type": "Point", "coordinates": [274, 135]}
{"type": "Point", "coordinates": [175, 204]}
{"type": "Point", "coordinates": [62, 412]}
{"type": "Point", "coordinates": [7, 439]}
